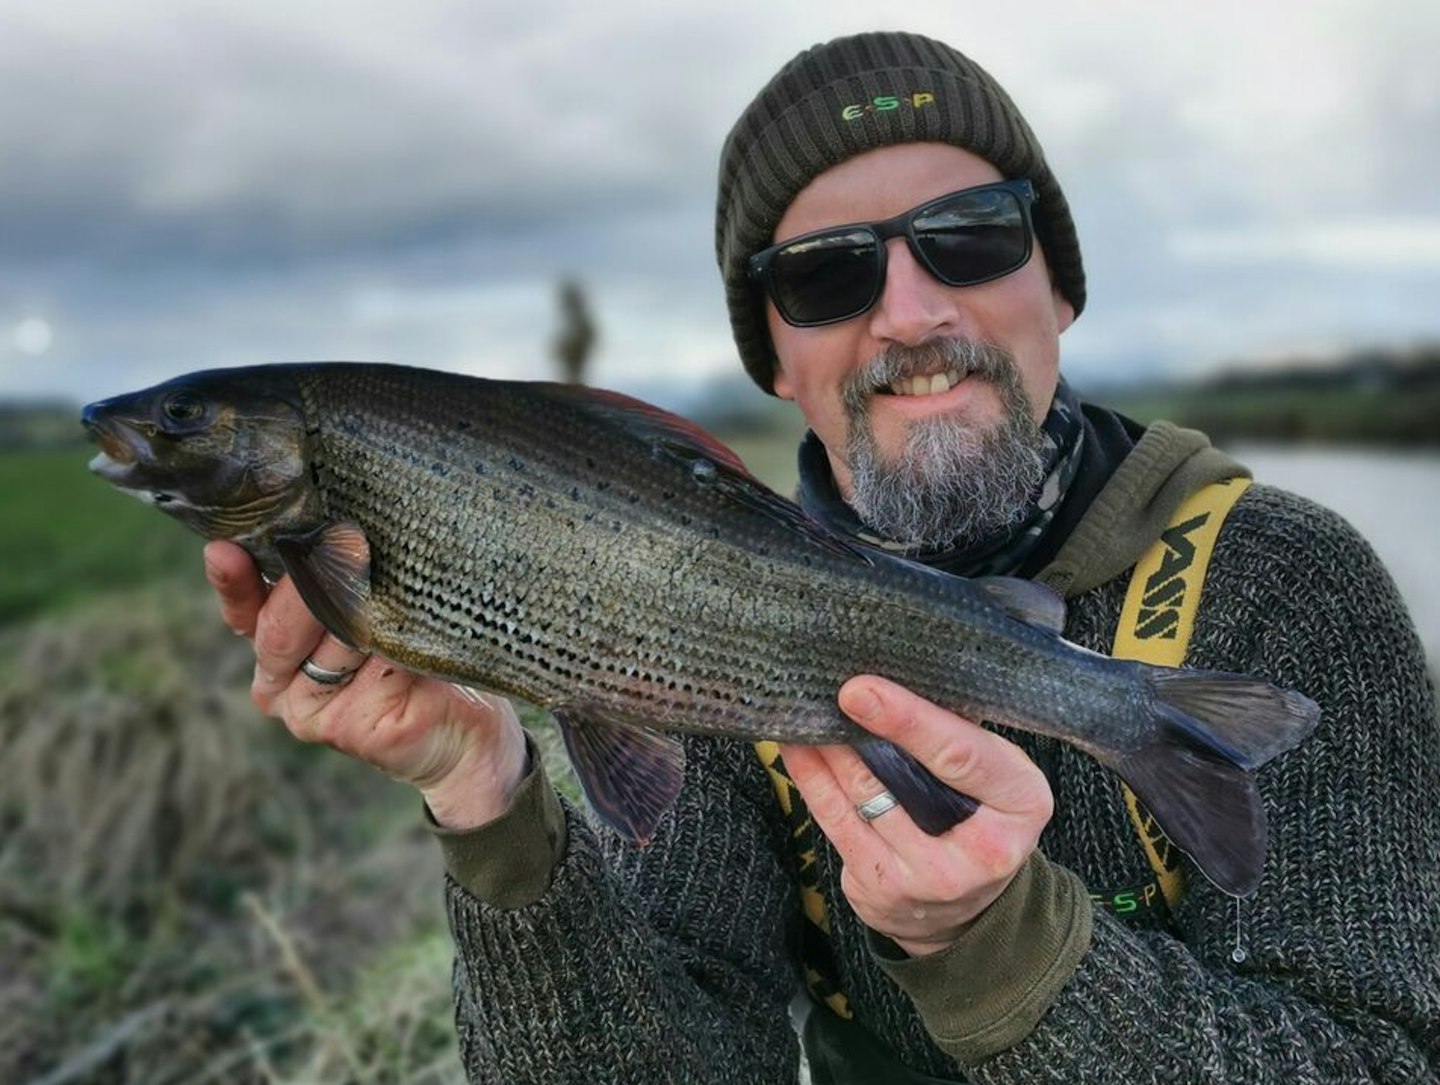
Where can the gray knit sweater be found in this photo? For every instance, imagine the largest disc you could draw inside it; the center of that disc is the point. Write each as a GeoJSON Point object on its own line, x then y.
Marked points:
{"type": "Point", "coordinates": [581, 959]}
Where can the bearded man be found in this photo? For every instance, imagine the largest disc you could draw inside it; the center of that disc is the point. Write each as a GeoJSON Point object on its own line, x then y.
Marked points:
{"type": "Point", "coordinates": [899, 260]}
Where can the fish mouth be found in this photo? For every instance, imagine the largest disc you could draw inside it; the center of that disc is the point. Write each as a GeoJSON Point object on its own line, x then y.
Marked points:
{"type": "Point", "coordinates": [111, 468]}
{"type": "Point", "coordinates": [118, 463]}
{"type": "Point", "coordinates": [123, 444]}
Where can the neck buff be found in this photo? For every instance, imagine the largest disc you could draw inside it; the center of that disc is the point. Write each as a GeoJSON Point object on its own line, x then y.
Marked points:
{"type": "Point", "coordinates": [1001, 552]}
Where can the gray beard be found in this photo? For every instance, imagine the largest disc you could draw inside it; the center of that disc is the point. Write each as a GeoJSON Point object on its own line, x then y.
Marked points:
{"type": "Point", "coordinates": [951, 484]}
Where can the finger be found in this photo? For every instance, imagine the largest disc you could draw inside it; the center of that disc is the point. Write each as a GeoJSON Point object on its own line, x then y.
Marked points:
{"type": "Point", "coordinates": [331, 664]}
{"type": "Point", "coordinates": [285, 635]}
{"type": "Point", "coordinates": [979, 763]}
{"type": "Point", "coordinates": [894, 825]}
{"type": "Point", "coordinates": [355, 714]}
{"type": "Point", "coordinates": [816, 771]}
{"type": "Point", "coordinates": [237, 582]}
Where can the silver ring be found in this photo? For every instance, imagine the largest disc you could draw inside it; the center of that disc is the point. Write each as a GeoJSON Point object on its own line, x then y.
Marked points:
{"type": "Point", "coordinates": [319, 674]}
{"type": "Point", "coordinates": [873, 807]}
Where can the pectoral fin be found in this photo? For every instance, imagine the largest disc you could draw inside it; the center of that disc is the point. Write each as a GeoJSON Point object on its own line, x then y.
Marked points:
{"type": "Point", "coordinates": [631, 775]}
{"type": "Point", "coordinates": [331, 569]}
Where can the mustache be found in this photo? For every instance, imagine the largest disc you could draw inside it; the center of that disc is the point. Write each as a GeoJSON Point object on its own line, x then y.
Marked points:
{"type": "Point", "coordinates": [897, 362]}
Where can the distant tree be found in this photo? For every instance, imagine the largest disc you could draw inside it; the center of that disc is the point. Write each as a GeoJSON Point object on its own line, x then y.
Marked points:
{"type": "Point", "coordinates": [577, 332]}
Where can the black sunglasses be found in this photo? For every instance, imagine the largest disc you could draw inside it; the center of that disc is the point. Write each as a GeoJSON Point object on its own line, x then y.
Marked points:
{"type": "Point", "coordinates": [963, 239]}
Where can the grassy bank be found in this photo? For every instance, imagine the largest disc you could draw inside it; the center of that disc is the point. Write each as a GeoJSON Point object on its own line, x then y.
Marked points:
{"type": "Point", "coordinates": [186, 893]}
{"type": "Point", "coordinates": [1391, 407]}
{"type": "Point", "coordinates": [69, 537]}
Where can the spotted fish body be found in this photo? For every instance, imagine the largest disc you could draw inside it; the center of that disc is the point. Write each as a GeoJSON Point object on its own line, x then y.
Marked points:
{"type": "Point", "coordinates": [595, 556]}
{"type": "Point", "coordinates": [578, 571]}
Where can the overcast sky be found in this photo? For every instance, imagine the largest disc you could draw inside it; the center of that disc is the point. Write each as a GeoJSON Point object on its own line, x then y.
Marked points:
{"type": "Point", "coordinates": [195, 184]}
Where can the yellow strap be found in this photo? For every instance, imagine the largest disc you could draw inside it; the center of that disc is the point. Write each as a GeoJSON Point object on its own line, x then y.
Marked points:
{"type": "Point", "coordinates": [821, 973]}
{"type": "Point", "coordinates": [1155, 627]}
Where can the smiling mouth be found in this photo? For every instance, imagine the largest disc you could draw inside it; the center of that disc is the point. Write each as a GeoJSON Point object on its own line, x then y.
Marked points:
{"type": "Point", "coordinates": [924, 384]}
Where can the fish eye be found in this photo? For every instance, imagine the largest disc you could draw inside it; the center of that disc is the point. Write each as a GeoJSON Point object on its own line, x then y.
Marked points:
{"type": "Point", "coordinates": [183, 407]}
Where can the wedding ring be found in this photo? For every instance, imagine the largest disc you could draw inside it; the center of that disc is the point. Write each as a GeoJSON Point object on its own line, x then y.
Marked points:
{"type": "Point", "coordinates": [872, 808]}
{"type": "Point", "coordinates": [317, 673]}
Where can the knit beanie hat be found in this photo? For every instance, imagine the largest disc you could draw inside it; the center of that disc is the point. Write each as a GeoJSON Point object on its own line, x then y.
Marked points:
{"type": "Point", "coordinates": [854, 94]}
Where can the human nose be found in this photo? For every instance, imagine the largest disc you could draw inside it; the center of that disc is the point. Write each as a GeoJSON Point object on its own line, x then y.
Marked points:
{"type": "Point", "coordinates": [914, 307]}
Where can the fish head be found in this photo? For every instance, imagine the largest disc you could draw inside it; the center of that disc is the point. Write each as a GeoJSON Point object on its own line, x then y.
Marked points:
{"type": "Point", "coordinates": [223, 451]}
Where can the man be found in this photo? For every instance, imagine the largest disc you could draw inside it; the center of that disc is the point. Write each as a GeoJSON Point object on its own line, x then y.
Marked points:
{"type": "Point", "coordinates": [1029, 943]}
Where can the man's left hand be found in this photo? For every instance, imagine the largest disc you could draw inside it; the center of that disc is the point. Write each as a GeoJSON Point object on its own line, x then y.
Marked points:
{"type": "Point", "coordinates": [917, 889]}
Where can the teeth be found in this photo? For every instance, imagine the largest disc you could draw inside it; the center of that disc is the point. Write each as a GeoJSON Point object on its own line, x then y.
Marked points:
{"type": "Point", "coordinates": [925, 386]}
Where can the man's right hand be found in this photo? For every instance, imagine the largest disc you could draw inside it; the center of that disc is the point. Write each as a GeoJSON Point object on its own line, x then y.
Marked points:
{"type": "Point", "coordinates": [466, 755]}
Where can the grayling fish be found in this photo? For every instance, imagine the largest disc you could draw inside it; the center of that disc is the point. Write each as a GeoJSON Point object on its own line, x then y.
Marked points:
{"type": "Point", "coordinates": [611, 562]}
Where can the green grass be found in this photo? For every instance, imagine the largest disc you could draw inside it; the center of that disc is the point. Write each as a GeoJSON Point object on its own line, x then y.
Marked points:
{"type": "Point", "coordinates": [189, 888]}
{"type": "Point", "coordinates": [66, 536]}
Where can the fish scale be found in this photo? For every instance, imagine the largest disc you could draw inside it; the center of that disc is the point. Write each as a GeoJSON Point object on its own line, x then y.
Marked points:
{"type": "Point", "coordinates": [598, 557]}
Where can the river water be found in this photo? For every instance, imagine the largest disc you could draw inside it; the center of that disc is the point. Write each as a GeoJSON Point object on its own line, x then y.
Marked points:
{"type": "Point", "coordinates": [1392, 498]}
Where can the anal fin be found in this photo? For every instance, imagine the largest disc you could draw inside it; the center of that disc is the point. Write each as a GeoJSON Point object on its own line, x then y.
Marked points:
{"type": "Point", "coordinates": [631, 775]}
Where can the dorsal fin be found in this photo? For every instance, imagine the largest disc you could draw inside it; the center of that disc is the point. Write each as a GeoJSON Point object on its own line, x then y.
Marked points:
{"type": "Point", "coordinates": [710, 461]}
{"type": "Point", "coordinates": [646, 420]}
{"type": "Point", "coordinates": [331, 570]}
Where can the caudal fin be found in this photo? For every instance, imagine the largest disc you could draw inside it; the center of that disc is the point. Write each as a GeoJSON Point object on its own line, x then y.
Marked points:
{"type": "Point", "coordinates": [1244, 719]}
{"type": "Point", "coordinates": [1193, 775]}
{"type": "Point", "coordinates": [1209, 808]}
{"type": "Point", "coordinates": [931, 804]}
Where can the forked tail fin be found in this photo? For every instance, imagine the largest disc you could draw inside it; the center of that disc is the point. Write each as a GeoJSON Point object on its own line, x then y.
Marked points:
{"type": "Point", "coordinates": [1209, 808]}
{"type": "Point", "coordinates": [1193, 774]}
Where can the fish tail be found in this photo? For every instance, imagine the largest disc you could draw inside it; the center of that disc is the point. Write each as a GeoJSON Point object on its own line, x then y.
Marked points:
{"type": "Point", "coordinates": [1193, 774]}
{"type": "Point", "coordinates": [1243, 719]}
{"type": "Point", "coordinates": [932, 805]}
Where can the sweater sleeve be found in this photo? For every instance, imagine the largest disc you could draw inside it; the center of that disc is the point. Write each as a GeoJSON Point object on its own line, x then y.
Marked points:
{"type": "Point", "coordinates": [1329, 971]}
{"type": "Point", "coordinates": [640, 965]}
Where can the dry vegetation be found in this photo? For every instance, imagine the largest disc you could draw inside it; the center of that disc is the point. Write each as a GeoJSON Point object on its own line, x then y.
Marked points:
{"type": "Point", "coordinates": [186, 894]}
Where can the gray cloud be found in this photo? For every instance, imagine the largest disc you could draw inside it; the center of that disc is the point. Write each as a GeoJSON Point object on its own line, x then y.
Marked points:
{"type": "Point", "coordinates": [183, 186]}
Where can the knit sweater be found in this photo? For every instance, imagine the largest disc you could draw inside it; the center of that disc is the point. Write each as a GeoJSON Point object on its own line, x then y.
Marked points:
{"type": "Point", "coordinates": [583, 959]}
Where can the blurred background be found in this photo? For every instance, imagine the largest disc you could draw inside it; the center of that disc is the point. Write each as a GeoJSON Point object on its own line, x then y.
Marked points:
{"type": "Point", "coordinates": [525, 190]}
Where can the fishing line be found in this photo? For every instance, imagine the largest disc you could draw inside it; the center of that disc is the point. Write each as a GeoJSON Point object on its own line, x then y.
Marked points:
{"type": "Point", "coordinates": [1238, 954]}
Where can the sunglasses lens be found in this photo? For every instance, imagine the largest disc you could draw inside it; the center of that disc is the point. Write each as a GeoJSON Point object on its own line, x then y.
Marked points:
{"type": "Point", "coordinates": [974, 236]}
{"type": "Point", "coordinates": [828, 278]}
